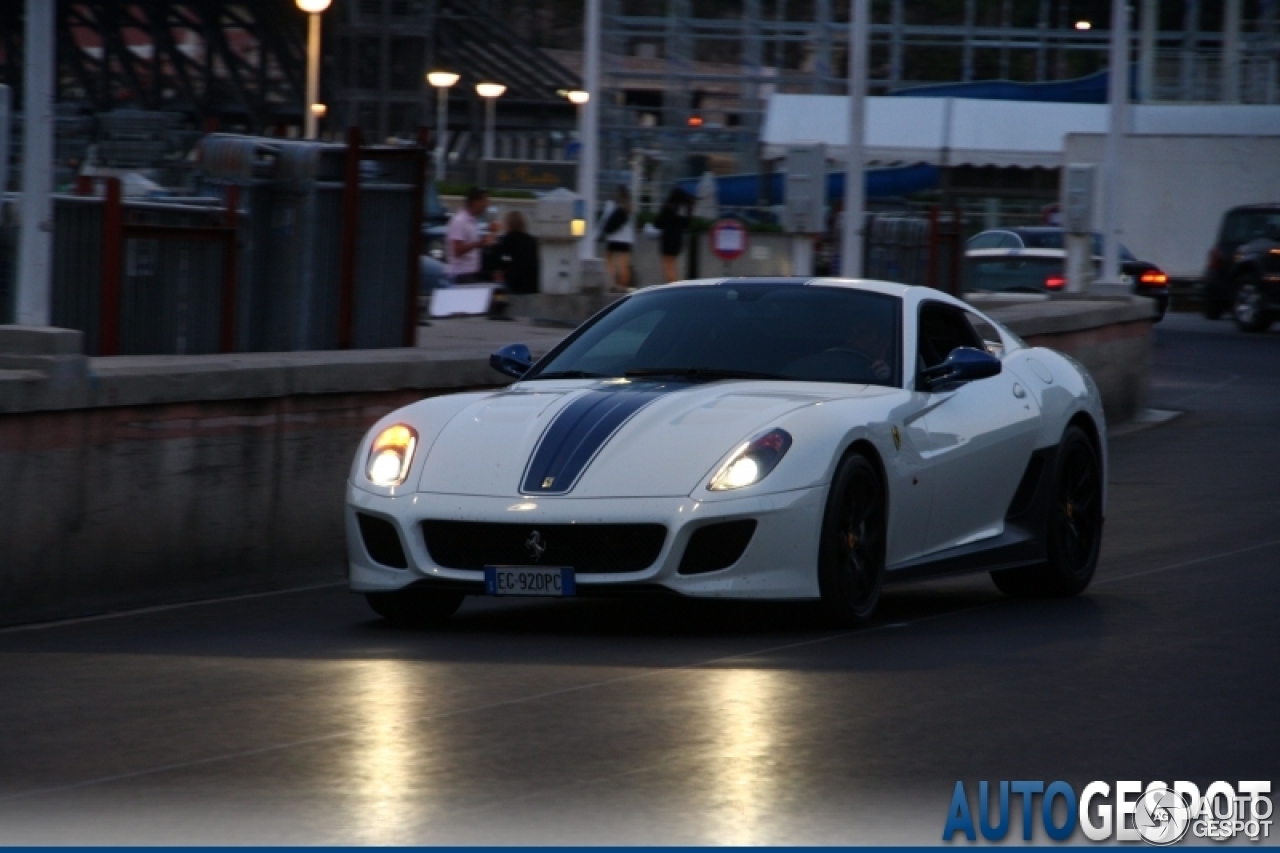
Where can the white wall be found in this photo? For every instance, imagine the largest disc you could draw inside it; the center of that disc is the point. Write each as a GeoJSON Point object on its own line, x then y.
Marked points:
{"type": "Point", "coordinates": [1174, 190]}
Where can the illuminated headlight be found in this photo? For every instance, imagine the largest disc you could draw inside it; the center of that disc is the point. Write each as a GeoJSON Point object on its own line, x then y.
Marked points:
{"type": "Point", "coordinates": [751, 462]}
{"type": "Point", "coordinates": [391, 455]}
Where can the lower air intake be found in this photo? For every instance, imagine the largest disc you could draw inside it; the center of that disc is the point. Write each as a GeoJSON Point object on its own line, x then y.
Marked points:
{"type": "Point", "coordinates": [381, 541]}
{"type": "Point", "coordinates": [717, 546]}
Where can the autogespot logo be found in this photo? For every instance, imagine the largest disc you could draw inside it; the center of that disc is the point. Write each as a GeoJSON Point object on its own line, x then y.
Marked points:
{"type": "Point", "coordinates": [1158, 814]}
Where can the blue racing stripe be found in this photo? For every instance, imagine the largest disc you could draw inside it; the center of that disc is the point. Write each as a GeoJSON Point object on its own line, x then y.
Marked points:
{"type": "Point", "coordinates": [578, 432]}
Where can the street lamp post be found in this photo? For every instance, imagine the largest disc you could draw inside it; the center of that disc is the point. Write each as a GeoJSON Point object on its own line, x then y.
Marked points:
{"type": "Point", "coordinates": [310, 116]}
{"type": "Point", "coordinates": [443, 81]}
{"type": "Point", "coordinates": [589, 126]}
{"type": "Point", "coordinates": [490, 92]}
{"type": "Point", "coordinates": [855, 160]}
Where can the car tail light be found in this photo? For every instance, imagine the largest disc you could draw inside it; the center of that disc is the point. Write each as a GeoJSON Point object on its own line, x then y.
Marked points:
{"type": "Point", "coordinates": [1055, 282]}
{"type": "Point", "coordinates": [1214, 257]}
{"type": "Point", "coordinates": [1155, 278]}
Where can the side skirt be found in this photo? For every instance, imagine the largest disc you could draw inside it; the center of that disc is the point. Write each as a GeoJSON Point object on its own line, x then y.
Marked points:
{"type": "Point", "coordinates": [1023, 542]}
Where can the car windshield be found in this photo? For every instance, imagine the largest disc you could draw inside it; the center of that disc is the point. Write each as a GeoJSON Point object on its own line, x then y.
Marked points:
{"type": "Point", "coordinates": [739, 330]}
{"type": "Point", "coordinates": [1241, 226]}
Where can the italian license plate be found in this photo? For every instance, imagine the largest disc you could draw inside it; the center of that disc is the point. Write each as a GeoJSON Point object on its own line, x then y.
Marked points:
{"type": "Point", "coordinates": [528, 580]}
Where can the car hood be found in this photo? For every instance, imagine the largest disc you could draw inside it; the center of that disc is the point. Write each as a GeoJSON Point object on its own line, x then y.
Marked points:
{"type": "Point", "coordinates": [605, 439]}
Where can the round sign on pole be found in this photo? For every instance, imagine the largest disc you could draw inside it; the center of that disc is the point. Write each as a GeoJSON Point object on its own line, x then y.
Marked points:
{"type": "Point", "coordinates": [728, 239]}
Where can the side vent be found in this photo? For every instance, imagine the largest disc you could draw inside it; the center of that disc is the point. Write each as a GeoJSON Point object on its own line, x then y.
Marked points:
{"type": "Point", "coordinates": [381, 541]}
{"type": "Point", "coordinates": [716, 546]}
{"type": "Point", "coordinates": [1027, 488]}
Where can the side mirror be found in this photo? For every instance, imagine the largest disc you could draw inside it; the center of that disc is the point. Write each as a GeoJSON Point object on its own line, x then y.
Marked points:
{"type": "Point", "coordinates": [964, 364]}
{"type": "Point", "coordinates": [513, 360]}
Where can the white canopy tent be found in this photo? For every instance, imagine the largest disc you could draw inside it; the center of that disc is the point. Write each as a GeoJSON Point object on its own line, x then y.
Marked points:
{"type": "Point", "coordinates": [965, 132]}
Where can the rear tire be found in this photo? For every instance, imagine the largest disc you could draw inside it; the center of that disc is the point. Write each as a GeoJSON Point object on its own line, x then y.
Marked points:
{"type": "Point", "coordinates": [1248, 305]}
{"type": "Point", "coordinates": [414, 607]}
{"type": "Point", "coordinates": [851, 547]}
{"type": "Point", "coordinates": [1075, 527]}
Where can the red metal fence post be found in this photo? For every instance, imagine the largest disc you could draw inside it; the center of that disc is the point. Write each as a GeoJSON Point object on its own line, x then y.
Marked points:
{"type": "Point", "coordinates": [350, 229]}
{"type": "Point", "coordinates": [227, 335]}
{"type": "Point", "coordinates": [109, 294]}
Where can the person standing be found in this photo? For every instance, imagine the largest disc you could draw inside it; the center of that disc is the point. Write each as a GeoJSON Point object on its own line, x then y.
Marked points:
{"type": "Point", "coordinates": [620, 235]}
{"type": "Point", "coordinates": [464, 240]}
{"type": "Point", "coordinates": [673, 221]}
{"type": "Point", "coordinates": [517, 255]}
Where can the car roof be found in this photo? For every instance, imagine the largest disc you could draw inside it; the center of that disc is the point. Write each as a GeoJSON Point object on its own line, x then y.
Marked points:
{"type": "Point", "coordinates": [888, 288]}
{"type": "Point", "coordinates": [1015, 253]}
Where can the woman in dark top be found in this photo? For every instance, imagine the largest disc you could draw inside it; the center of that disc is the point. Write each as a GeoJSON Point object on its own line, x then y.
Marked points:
{"type": "Point", "coordinates": [673, 221]}
{"type": "Point", "coordinates": [517, 255]}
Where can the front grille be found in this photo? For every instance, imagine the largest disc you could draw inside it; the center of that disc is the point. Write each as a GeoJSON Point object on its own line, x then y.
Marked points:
{"type": "Point", "coordinates": [381, 541]}
{"type": "Point", "coordinates": [585, 548]}
{"type": "Point", "coordinates": [716, 546]}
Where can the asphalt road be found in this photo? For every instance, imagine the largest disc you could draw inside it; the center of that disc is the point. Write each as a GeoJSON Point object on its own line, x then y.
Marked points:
{"type": "Point", "coordinates": [300, 718]}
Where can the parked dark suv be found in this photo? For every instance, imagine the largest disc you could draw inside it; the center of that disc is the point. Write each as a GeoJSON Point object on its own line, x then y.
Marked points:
{"type": "Point", "coordinates": [1243, 273]}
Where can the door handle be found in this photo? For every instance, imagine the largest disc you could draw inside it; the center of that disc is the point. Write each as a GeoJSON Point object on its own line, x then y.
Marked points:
{"type": "Point", "coordinates": [1019, 391]}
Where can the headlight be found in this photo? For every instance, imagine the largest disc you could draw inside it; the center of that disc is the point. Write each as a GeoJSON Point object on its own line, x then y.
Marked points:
{"type": "Point", "coordinates": [751, 462]}
{"type": "Point", "coordinates": [391, 455]}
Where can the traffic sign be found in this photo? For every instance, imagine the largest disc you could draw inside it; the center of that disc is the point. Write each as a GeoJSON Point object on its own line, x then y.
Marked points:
{"type": "Point", "coordinates": [728, 239]}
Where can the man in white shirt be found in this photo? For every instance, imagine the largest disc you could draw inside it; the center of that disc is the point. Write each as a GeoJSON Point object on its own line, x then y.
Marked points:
{"type": "Point", "coordinates": [463, 240]}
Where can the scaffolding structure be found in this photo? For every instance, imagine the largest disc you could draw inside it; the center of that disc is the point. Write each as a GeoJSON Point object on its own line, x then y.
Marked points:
{"type": "Point", "coordinates": [686, 82]}
{"type": "Point", "coordinates": [193, 66]}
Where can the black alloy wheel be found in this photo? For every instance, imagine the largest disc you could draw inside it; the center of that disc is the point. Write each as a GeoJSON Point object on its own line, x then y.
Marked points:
{"type": "Point", "coordinates": [1248, 305]}
{"type": "Point", "coordinates": [415, 607]}
{"type": "Point", "coordinates": [1075, 526]}
{"type": "Point", "coordinates": [851, 551]}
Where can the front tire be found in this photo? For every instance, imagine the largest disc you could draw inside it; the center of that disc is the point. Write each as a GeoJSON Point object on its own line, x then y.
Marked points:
{"type": "Point", "coordinates": [1248, 306]}
{"type": "Point", "coordinates": [851, 550]}
{"type": "Point", "coordinates": [1075, 527]}
{"type": "Point", "coordinates": [415, 607]}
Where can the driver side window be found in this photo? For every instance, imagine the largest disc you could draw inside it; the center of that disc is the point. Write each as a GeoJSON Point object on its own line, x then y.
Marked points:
{"type": "Point", "coordinates": [942, 329]}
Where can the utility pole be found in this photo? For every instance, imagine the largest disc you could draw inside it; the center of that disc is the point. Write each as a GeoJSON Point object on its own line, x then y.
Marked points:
{"type": "Point", "coordinates": [36, 209]}
{"type": "Point", "coordinates": [1150, 25]}
{"type": "Point", "coordinates": [855, 161]}
{"type": "Point", "coordinates": [1117, 128]}
{"type": "Point", "coordinates": [1231, 52]}
{"type": "Point", "coordinates": [589, 130]}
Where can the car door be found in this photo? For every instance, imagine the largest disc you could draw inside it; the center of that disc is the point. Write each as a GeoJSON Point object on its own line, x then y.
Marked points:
{"type": "Point", "coordinates": [978, 437]}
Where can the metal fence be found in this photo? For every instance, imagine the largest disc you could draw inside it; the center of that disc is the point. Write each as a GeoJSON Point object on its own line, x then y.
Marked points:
{"type": "Point", "coordinates": [330, 254]}
{"type": "Point", "coordinates": [139, 277]}
{"type": "Point", "coordinates": [295, 246]}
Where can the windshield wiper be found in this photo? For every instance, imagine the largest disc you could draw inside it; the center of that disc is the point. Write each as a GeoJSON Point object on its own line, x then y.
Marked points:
{"type": "Point", "coordinates": [710, 374]}
{"type": "Point", "coordinates": [569, 374]}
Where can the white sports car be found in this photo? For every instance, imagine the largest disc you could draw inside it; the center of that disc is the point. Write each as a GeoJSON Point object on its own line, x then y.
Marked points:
{"type": "Point", "coordinates": [741, 438]}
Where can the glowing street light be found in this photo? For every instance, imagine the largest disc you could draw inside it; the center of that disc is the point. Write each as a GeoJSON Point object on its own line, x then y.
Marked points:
{"type": "Point", "coordinates": [442, 82]}
{"type": "Point", "coordinates": [310, 116]}
{"type": "Point", "coordinates": [578, 97]}
{"type": "Point", "coordinates": [490, 92]}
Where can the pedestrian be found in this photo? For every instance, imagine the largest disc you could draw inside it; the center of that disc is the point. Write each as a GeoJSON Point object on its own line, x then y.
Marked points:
{"type": "Point", "coordinates": [517, 255]}
{"type": "Point", "coordinates": [619, 234]}
{"type": "Point", "coordinates": [464, 239]}
{"type": "Point", "coordinates": [673, 221]}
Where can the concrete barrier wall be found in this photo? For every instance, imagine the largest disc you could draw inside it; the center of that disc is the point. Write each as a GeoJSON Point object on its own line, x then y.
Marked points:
{"type": "Point", "coordinates": [129, 482]}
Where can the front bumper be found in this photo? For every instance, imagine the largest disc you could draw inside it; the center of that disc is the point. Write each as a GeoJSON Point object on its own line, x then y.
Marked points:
{"type": "Point", "coordinates": [780, 562]}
